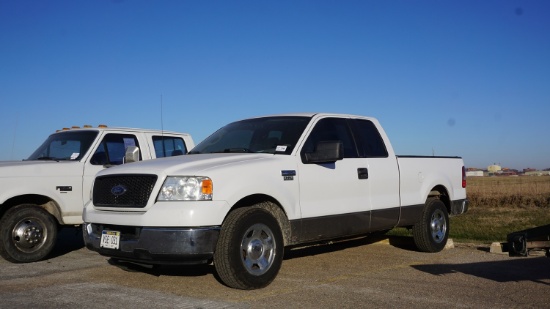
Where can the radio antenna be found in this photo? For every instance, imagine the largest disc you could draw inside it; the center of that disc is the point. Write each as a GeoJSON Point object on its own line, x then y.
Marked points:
{"type": "Point", "coordinates": [161, 120]}
{"type": "Point", "coordinates": [162, 128]}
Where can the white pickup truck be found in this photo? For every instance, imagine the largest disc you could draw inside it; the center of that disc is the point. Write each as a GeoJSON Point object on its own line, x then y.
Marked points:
{"type": "Point", "coordinates": [48, 190]}
{"type": "Point", "coordinates": [258, 185]}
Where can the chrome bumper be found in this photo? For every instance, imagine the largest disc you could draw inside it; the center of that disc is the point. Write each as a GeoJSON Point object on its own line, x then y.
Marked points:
{"type": "Point", "coordinates": [459, 207]}
{"type": "Point", "coordinates": [156, 245]}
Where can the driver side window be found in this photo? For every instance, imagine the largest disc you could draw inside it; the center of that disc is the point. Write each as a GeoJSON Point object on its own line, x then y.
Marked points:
{"type": "Point", "coordinates": [331, 129]}
{"type": "Point", "coordinates": [112, 149]}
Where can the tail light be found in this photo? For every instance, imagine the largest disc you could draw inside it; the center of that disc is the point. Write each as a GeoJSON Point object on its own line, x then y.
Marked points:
{"type": "Point", "coordinates": [463, 177]}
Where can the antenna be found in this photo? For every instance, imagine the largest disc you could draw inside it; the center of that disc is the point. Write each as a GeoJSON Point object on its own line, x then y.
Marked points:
{"type": "Point", "coordinates": [161, 120]}
{"type": "Point", "coordinates": [162, 128]}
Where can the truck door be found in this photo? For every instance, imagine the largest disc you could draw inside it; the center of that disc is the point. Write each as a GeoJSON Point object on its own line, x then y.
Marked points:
{"type": "Point", "coordinates": [69, 149]}
{"type": "Point", "coordinates": [383, 174]}
{"type": "Point", "coordinates": [334, 197]}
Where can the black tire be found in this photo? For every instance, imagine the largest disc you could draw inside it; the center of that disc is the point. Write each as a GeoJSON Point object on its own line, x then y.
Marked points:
{"type": "Point", "coordinates": [432, 232]}
{"type": "Point", "coordinates": [27, 234]}
{"type": "Point", "coordinates": [249, 252]}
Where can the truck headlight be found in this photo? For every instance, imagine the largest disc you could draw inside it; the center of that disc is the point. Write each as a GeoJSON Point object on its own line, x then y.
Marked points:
{"type": "Point", "coordinates": [186, 188]}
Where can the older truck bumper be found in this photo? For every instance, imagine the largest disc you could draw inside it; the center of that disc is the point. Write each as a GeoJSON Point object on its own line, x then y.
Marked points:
{"type": "Point", "coordinates": [155, 245]}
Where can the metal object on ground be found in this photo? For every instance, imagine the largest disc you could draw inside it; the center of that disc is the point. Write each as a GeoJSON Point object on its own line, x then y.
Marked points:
{"type": "Point", "coordinates": [521, 242]}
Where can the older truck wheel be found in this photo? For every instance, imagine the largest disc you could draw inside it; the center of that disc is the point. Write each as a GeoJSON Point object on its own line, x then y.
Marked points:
{"type": "Point", "coordinates": [431, 233]}
{"type": "Point", "coordinates": [27, 234]}
{"type": "Point", "coordinates": [249, 252]}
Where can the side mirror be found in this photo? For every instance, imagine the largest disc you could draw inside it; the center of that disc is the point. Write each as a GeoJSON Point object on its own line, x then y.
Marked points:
{"type": "Point", "coordinates": [326, 152]}
{"type": "Point", "coordinates": [132, 154]}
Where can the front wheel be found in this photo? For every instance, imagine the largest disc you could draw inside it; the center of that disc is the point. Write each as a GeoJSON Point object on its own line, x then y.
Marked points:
{"type": "Point", "coordinates": [432, 231]}
{"type": "Point", "coordinates": [249, 252]}
{"type": "Point", "coordinates": [27, 234]}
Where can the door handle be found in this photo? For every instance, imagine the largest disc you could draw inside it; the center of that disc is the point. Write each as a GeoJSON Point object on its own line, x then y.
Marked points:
{"type": "Point", "coordinates": [363, 173]}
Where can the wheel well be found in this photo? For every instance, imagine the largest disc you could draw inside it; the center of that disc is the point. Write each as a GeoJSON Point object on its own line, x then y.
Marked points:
{"type": "Point", "coordinates": [39, 200]}
{"type": "Point", "coordinates": [272, 206]}
{"type": "Point", "coordinates": [441, 193]}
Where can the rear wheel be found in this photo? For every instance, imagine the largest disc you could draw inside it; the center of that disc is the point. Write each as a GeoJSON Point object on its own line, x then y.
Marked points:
{"type": "Point", "coordinates": [432, 231]}
{"type": "Point", "coordinates": [27, 234]}
{"type": "Point", "coordinates": [249, 252]}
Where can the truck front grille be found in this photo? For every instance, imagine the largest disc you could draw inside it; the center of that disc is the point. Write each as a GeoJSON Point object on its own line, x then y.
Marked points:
{"type": "Point", "coordinates": [131, 190]}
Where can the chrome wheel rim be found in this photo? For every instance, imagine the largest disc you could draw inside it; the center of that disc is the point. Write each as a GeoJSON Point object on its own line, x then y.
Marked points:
{"type": "Point", "coordinates": [29, 234]}
{"type": "Point", "coordinates": [258, 249]}
{"type": "Point", "coordinates": [438, 226]}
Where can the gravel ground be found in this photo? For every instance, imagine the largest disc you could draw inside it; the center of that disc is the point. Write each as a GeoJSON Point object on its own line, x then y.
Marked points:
{"type": "Point", "coordinates": [365, 272]}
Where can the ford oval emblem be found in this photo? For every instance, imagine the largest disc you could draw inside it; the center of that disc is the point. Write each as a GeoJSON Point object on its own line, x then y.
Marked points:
{"type": "Point", "coordinates": [118, 190]}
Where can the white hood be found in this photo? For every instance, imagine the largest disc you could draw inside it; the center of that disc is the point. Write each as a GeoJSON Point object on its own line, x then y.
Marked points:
{"type": "Point", "coordinates": [31, 168]}
{"type": "Point", "coordinates": [194, 164]}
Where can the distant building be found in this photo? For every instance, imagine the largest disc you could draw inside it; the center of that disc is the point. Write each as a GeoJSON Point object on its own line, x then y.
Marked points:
{"type": "Point", "coordinates": [494, 168]}
{"type": "Point", "coordinates": [474, 173]}
{"type": "Point", "coordinates": [537, 173]}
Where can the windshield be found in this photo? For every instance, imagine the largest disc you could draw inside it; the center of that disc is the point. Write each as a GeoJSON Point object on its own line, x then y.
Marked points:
{"type": "Point", "coordinates": [70, 145]}
{"type": "Point", "coordinates": [260, 135]}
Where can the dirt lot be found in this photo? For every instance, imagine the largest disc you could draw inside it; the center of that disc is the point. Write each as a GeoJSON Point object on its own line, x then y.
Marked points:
{"type": "Point", "coordinates": [367, 272]}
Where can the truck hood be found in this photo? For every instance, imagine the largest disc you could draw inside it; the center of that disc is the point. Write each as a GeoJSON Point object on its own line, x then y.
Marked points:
{"type": "Point", "coordinates": [10, 169]}
{"type": "Point", "coordinates": [194, 164]}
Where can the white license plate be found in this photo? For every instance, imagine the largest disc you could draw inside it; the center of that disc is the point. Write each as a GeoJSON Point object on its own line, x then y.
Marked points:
{"type": "Point", "coordinates": [110, 239]}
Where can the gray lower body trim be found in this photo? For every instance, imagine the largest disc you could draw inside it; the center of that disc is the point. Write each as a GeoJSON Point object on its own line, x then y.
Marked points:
{"type": "Point", "coordinates": [360, 223]}
{"type": "Point", "coordinates": [344, 225]}
{"type": "Point", "coordinates": [156, 245]}
{"type": "Point", "coordinates": [329, 227]}
{"type": "Point", "coordinates": [410, 215]}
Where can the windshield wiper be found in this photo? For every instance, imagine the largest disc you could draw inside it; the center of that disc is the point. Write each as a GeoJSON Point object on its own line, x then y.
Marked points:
{"type": "Point", "coordinates": [52, 159]}
{"type": "Point", "coordinates": [47, 159]}
{"type": "Point", "coordinates": [233, 150]}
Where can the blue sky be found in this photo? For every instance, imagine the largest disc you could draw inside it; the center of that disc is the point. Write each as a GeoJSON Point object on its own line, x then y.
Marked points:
{"type": "Point", "coordinates": [465, 78]}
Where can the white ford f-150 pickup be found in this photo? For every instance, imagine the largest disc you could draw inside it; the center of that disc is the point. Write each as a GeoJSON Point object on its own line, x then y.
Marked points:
{"type": "Point", "coordinates": [260, 184]}
{"type": "Point", "coordinates": [48, 190]}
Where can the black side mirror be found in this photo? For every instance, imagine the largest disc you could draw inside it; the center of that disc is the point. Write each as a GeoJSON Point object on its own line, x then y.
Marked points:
{"type": "Point", "coordinates": [325, 152]}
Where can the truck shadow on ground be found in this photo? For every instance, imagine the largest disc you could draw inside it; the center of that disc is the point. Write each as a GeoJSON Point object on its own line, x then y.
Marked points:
{"type": "Point", "coordinates": [534, 269]}
{"type": "Point", "coordinates": [68, 239]}
{"type": "Point", "coordinates": [405, 243]}
{"type": "Point", "coordinates": [401, 242]}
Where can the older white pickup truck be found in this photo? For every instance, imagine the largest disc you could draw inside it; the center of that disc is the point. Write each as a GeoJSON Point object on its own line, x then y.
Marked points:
{"type": "Point", "coordinates": [258, 185]}
{"type": "Point", "coordinates": [49, 189]}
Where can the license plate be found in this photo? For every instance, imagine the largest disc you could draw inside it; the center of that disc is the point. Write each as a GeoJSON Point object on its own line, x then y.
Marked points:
{"type": "Point", "coordinates": [110, 239]}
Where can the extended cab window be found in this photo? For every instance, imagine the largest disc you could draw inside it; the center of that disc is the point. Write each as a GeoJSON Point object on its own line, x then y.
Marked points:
{"type": "Point", "coordinates": [168, 146]}
{"type": "Point", "coordinates": [331, 129]}
{"type": "Point", "coordinates": [369, 142]}
{"type": "Point", "coordinates": [112, 149]}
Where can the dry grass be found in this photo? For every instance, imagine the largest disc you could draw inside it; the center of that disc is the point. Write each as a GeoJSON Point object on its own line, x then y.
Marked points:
{"type": "Point", "coordinates": [501, 205]}
{"type": "Point", "coordinates": [509, 192]}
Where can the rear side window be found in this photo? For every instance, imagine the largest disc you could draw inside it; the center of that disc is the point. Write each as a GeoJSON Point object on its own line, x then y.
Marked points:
{"type": "Point", "coordinates": [369, 142]}
{"type": "Point", "coordinates": [169, 146]}
{"type": "Point", "coordinates": [112, 149]}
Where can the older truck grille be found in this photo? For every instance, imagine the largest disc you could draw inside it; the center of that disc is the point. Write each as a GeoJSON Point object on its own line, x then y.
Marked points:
{"type": "Point", "coordinates": [123, 190]}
